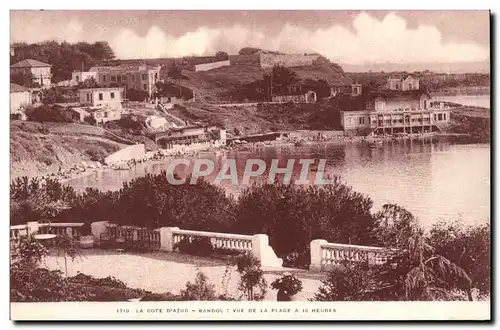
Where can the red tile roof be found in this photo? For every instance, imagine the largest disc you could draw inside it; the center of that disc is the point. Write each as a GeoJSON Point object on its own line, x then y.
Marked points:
{"type": "Point", "coordinates": [29, 63]}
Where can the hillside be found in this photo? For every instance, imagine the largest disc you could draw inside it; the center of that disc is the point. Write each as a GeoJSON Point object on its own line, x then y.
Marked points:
{"type": "Point", "coordinates": [37, 149]}
{"type": "Point", "coordinates": [262, 118]}
{"type": "Point", "coordinates": [215, 85]}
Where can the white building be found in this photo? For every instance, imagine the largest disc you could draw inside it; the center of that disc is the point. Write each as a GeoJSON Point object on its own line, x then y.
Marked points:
{"type": "Point", "coordinates": [20, 97]}
{"type": "Point", "coordinates": [110, 97]}
{"type": "Point", "coordinates": [40, 71]}
{"type": "Point", "coordinates": [392, 113]}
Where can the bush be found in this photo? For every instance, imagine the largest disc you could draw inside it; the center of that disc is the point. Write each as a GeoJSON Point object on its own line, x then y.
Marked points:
{"type": "Point", "coordinates": [200, 290]}
{"type": "Point", "coordinates": [198, 246]}
{"type": "Point", "coordinates": [466, 245]}
{"type": "Point", "coordinates": [288, 283]}
{"type": "Point", "coordinates": [252, 282]}
{"type": "Point", "coordinates": [345, 283]}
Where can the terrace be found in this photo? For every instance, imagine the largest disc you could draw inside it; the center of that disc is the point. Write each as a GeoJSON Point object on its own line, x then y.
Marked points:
{"type": "Point", "coordinates": [149, 258]}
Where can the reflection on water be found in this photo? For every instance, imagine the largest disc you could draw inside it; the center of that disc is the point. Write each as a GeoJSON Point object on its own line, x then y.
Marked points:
{"type": "Point", "coordinates": [435, 180]}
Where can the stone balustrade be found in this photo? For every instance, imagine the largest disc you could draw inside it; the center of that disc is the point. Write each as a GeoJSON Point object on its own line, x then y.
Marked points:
{"type": "Point", "coordinates": [326, 255]}
{"type": "Point", "coordinates": [69, 229]}
{"type": "Point", "coordinates": [257, 245]}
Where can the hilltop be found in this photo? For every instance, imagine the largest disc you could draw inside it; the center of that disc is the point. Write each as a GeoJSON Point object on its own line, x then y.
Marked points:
{"type": "Point", "coordinates": [217, 84]}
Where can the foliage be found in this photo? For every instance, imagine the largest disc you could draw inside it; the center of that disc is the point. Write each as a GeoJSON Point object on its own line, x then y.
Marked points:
{"type": "Point", "coordinates": [24, 79]}
{"type": "Point", "coordinates": [287, 283]}
{"type": "Point", "coordinates": [200, 290]}
{"type": "Point", "coordinates": [252, 282]}
{"type": "Point", "coordinates": [248, 50]}
{"type": "Point", "coordinates": [46, 113]}
{"type": "Point", "coordinates": [136, 95]}
{"type": "Point", "coordinates": [64, 57]}
{"type": "Point", "coordinates": [88, 83]}
{"type": "Point", "coordinates": [468, 246]}
{"type": "Point", "coordinates": [199, 246]}
{"type": "Point", "coordinates": [35, 200]}
{"type": "Point", "coordinates": [90, 120]}
{"type": "Point", "coordinates": [221, 55]}
{"type": "Point", "coordinates": [31, 252]}
{"type": "Point", "coordinates": [16, 116]}
{"type": "Point", "coordinates": [293, 215]}
{"type": "Point", "coordinates": [349, 282]}
{"type": "Point", "coordinates": [59, 94]}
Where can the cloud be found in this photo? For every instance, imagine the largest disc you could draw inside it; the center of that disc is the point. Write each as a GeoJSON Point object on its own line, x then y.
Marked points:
{"type": "Point", "coordinates": [367, 40]}
{"type": "Point", "coordinates": [370, 40]}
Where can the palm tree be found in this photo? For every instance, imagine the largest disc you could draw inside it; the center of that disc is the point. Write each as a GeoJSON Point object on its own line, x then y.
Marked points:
{"type": "Point", "coordinates": [415, 268]}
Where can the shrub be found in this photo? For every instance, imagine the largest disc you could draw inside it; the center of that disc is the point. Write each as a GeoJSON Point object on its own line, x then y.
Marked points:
{"type": "Point", "coordinates": [200, 290]}
{"type": "Point", "coordinates": [252, 282]}
{"type": "Point", "coordinates": [345, 283]}
{"type": "Point", "coordinates": [288, 283]}
{"type": "Point", "coordinates": [198, 246]}
{"type": "Point", "coordinates": [466, 245]}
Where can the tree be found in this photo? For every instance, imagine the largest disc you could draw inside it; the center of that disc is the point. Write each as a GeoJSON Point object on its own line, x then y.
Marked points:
{"type": "Point", "coordinates": [88, 83]}
{"type": "Point", "coordinates": [416, 271]}
{"type": "Point", "coordinates": [24, 79]}
{"type": "Point", "coordinates": [175, 73]}
{"type": "Point", "coordinates": [280, 80]}
{"type": "Point", "coordinates": [293, 215]}
{"type": "Point", "coordinates": [248, 50]}
{"type": "Point", "coordinates": [469, 246]}
{"type": "Point", "coordinates": [63, 56]}
{"type": "Point", "coordinates": [220, 55]}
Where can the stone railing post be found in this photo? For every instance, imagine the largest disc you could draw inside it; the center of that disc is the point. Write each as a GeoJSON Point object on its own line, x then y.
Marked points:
{"type": "Point", "coordinates": [98, 228]}
{"type": "Point", "coordinates": [259, 244]}
{"type": "Point", "coordinates": [31, 227]}
{"type": "Point", "coordinates": [167, 238]}
{"type": "Point", "coordinates": [265, 253]}
{"type": "Point", "coordinates": [316, 256]}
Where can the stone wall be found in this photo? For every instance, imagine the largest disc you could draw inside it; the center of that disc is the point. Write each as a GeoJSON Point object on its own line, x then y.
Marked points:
{"type": "Point", "coordinates": [287, 60]}
{"type": "Point", "coordinates": [253, 59]}
{"type": "Point", "coordinates": [134, 152]}
{"type": "Point", "coordinates": [210, 66]}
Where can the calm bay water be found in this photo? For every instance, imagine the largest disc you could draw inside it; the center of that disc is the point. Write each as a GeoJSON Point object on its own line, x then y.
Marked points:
{"type": "Point", "coordinates": [467, 100]}
{"type": "Point", "coordinates": [433, 179]}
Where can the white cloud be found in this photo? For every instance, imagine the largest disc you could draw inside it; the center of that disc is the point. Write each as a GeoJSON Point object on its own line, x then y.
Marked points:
{"type": "Point", "coordinates": [369, 41]}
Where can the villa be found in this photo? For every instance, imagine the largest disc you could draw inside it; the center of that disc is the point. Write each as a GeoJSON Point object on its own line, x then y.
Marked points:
{"type": "Point", "coordinates": [397, 112]}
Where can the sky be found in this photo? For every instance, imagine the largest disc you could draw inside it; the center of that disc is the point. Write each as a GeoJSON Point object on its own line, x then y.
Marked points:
{"type": "Point", "coordinates": [351, 37]}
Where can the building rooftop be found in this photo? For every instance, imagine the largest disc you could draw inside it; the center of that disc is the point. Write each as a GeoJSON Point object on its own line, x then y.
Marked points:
{"type": "Point", "coordinates": [30, 63]}
{"type": "Point", "coordinates": [100, 89]}
{"type": "Point", "coordinates": [15, 88]}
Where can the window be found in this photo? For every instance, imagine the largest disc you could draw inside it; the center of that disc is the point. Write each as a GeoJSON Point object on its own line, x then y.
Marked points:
{"type": "Point", "coordinates": [113, 78]}
{"type": "Point", "coordinates": [144, 76]}
{"type": "Point", "coordinates": [88, 97]}
{"type": "Point", "coordinates": [440, 116]}
{"type": "Point", "coordinates": [77, 78]}
{"type": "Point", "coordinates": [361, 120]}
{"type": "Point", "coordinates": [119, 78]}
{"type": "Point", "coordinates": [104, 78]}
{"type": "Point", "coordinates": [105, 115]}
{"type": "Point", "coordinates": [100, 96]}
{"type": "Point", "coordinates": [410, 87]}
{"type": "Point", "coordinates": [156, 76]}
{"type": "Point", "coordinates": [145, 87]}
{"type": "Point", "coordinates": [444, 116]}
{"type": "Point", "coordinates": [133, 78]}
{"type": "Point", "coordinates": [112, 95]}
